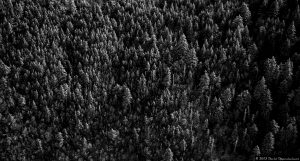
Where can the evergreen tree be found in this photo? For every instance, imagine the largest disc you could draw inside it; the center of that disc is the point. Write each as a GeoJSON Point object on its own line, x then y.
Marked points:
{"type": "Point", "coordinates": [275, 8]}
{"type": "Point", "coordinates": [271, 71]}
{"type": "Point", "coordinates": [266, 103]}
{"type": "Point", "coordinates": [274, 127]}
{"type": "Point", "coordinates": [268, 144]}
{"type": "Point", "coordinates": [60, 139]}
{"type": "Point", "coordinates": [256, 151]}
{"type": "Point", "coordinates": [263, 97]}
{"type": "Point", "coordinates": [226, 97]}
{"type": "Point", "coordinates": [143, 86]}
{"type": "Point", "coordinates": [72, 6]}
{"type": "Point", "coordinates": [253, 51]}
{"type": "Point", "coordinates": [126, 96]}
{"type": "Point", "coordinates": [246, 14]}
{"type": "Point", "coordinates": [183, 145]}
{"type": "Point", "coordinates": [168, 156]}
{"type": "Point", "coordinates": [243, 99]}
{"type": "Point", "coordinates": [167, 78]}
{"type": "Point", "coordinates": [4, 69]}
{"type": "Point", "coordinates": [113, 134]}
{"type": "Point", "coordinates": [191, 59]}
{"type": "Point", "coordinates": [291, 32]}
{"type": "Point", "coordinates": [260, 89]}
{"type": "Point", "coordinates": [286, 70]}
{"type": "Point", "coordinates": [81, 80]}
{"type": "Point", "coordinates": [297, 98]}
{"type": "Point", "coordinates": [204, 82]}
{"type": "Point", "coordinates": [181, 49]}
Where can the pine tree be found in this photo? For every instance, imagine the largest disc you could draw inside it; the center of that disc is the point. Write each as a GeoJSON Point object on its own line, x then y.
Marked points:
{"type": "Point", "coordinates": [253, 130]}
{"type": "Point", "coordinates": [204, 82]}
{"type": "Point", "coordinates": [167, 78]}
{"type": "Point", "coordinates": [72, 6]}
{"type": "Point", "coordinates": [260, 89]}
{"type": "Point", "coordinates": [253, 51]}
{"type": "Point", "coordinates": [61, 72]}
{"type": "Point", "coordinates": [60, 139]}
{"type": "Point", "coordinates": [181, 49]}
{"type": "Point", "coordinates": [22, 101]}
{"type": "Point", "coordinates": [238, 22]}
{"type": "Point", "coordinates": [266, 103]}
{"type": "Point", "coordinates": [217, 110]}
{"type": "Point", "coordinates": [243, 99]}
{"type": "Point", "coordinates": [286, 70]}
{"type": "Point", "coordinates": [4, 69]}
{"type": "Point", "coordinates": [256, 151]}
{"type": "Point", "coordinates": [263, 97]}
{"type": "Point", "coordinates": [291, 32]}
{"type": "Point", "coordinates": [168, 155]}
{"type": "Point", "coordinates": [143, 90]}
{"type": "Point", "coordinates": [126, 96]}
{"type": "Point", "coordinates": [113, 134]}
{"type": "Point", "coordinates": [183, 145]}
{"type": "Point", "coordinates": [274, 127]}
{"type": "Point", "coordinates": [40, 146]}
{"type": "Point", "coordinates": [191, 59]}
{"type": "Point", "coordinates": [246, 14]}
{"type": "Point", "coordinates": [283, 88]}
{"type": "Point", "coordinates": [10, 7]}
{"type": "Point", "coordinates": [275, 8]}
{"type": "Point", "coordinates": [271, 71]}
{"type": "Point", "coordinates": [226, 97]}
{"type": "Point", "coordinates": [268, 144]}
{"type": "Point", "coordinates": [297, 97]}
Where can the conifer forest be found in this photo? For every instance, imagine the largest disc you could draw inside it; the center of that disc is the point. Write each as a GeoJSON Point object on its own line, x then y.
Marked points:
{"type": "Point", "coordinates": [149, 80]}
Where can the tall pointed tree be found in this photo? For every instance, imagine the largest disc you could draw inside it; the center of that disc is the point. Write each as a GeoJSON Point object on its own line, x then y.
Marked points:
{"type": "Point", "coordinates": [263, 97]}
{"type": "Point", "coordinates": [268, 144]}
{"type": "Point", "coordinates": [256, 151]}
{"type": "Point", "coordinates": [246, 14]}
{"type": "Point", "coordinates": [291, 32]}
{"type": "Point", "coordinates": [271, 71]}
{"type": "Point", "coordinates": [168, 156]}
{"type": "Point", "coordinates": [127, 97]}
{"type": "Point", "coordinates": [181, 49]}
{"type": "Point", "coordinates": [204, 82]}
{"type": "Point", "coordinates": [191, 59]}
{"type": "Point", "coordinates": [167, 78]}
{"type": "Point", "coordinates": [260, 88]}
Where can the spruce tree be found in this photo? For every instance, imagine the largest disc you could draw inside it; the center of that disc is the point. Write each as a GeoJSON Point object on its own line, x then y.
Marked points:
{"type": "Point", "coordinates": [291, 32]}
{"type": "Point", "coordinates": [256, 151]}
{"type": "Point", "coordinates": [271, 71]}
{"type": "Point", "coordinates": [126, 96]}
{"type": "Point", "coordinates": [204, 82]}
{"type": "Point", "coordinates": [167, 78]}
{"type": "Point", "coordinates": [268, 144]}
{"type": "Point", "coordinates": [181, 49]}
{"type": "Point", "coordinates": [246, 14]}
{"type": "Point", "coordinates": [168, 156]}
{"type": "Point", "coordinates": [191, 59]}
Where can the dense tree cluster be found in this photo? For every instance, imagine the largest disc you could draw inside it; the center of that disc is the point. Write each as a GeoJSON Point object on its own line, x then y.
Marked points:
{"type": "Point", "coordinates": [149, 80]}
